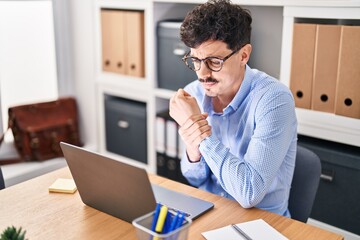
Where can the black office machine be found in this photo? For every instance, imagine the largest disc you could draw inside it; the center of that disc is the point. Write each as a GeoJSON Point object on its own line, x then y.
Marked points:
{"type": "Point", "coordinates": [171, 71]}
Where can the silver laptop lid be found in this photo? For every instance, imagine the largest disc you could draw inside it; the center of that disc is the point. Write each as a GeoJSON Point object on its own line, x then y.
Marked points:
{"type": "Point", "coordinates": [108, 185]}
{"type": "Point", "coordinates": [123, 190]}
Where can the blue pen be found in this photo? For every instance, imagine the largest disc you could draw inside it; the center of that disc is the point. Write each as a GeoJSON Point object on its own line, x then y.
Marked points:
{"type": "Point", "coordinates": [167, 223]}
{"type": "Point", "coordinates": [156, 215]}
{"type": "Point", "coordinates": [180, 221]}
{"type": "Point", "coordinates": [174, 221]}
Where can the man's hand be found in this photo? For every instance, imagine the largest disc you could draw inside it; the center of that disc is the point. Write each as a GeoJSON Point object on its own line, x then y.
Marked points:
{"type": "Point", "coordinates": [194, 130]}
{"type": "Point", "coordinates": [182, 106]}
{"type": "Point", "coordinates": [193, 125]}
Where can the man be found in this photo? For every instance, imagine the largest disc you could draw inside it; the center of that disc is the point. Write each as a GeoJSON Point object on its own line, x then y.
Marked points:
{"type": "Point", "coordinates": [238, 124]}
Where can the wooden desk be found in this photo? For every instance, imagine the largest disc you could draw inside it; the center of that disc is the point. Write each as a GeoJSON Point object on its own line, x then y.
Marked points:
{"type": "Point", "coordinates": [47, 215]}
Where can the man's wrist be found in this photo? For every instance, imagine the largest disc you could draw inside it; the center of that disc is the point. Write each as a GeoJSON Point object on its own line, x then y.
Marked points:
{"type": "Point", "coordinates": [193, 158]}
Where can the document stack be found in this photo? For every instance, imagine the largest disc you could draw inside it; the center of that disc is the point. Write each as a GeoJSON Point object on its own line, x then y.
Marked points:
{"type": "Point", "coordinates": [169, 148]}
{"type": "Point", "coordinates": [122, 36]}
{"type": "Point", "coordinates": [325, 68]}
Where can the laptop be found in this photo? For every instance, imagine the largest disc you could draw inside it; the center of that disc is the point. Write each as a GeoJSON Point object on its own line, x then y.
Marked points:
{"type": "Point", "coordinates": [122, 190]}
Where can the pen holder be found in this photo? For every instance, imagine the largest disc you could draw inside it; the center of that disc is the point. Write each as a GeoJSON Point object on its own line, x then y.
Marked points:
{"type": "Point", "coordinates": [143, 229]}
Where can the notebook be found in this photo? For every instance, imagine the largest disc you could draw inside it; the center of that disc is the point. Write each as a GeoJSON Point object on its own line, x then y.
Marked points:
{"type": "Point", "coordinates": [123, 190]}
{"type": "Point", "coordinates": [257, 229]}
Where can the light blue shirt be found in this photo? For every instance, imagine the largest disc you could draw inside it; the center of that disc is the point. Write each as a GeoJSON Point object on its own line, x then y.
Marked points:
{"type": "Point", "coordinates": [250, 156]}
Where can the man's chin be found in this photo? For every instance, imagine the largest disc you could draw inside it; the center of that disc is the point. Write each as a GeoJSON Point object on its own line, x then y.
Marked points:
{"type": "Point", "coordinates": [209, 92]}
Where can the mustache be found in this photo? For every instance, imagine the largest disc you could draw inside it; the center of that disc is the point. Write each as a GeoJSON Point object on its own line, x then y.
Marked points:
{"type": "Point", "coordinates": [208, 80]}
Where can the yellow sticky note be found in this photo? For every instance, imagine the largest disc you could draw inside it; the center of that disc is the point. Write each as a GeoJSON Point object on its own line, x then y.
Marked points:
{"type": "Point", "coordinates": [62, 185]}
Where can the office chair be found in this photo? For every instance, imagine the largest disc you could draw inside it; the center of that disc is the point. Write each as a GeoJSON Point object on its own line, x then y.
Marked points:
{"type": "Point", "coordinates": [304, 184]}
{"type": "Point", "coordinates": [2, 183]}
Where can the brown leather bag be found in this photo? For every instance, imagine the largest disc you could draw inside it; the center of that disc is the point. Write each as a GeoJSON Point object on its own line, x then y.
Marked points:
{"type": "Point", "coordinates": [39, 128]}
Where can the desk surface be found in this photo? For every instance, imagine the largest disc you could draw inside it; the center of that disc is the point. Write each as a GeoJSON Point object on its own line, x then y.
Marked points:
{"type": "Point", "coordinates": [47, 215]}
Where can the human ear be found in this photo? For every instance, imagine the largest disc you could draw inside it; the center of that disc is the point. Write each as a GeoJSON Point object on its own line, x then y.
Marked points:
{"type": "Point", "coordinates": [245, 54]}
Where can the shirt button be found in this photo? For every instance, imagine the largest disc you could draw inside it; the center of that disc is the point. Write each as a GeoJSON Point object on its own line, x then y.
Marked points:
{"type": "Point", "coordinates": [222, 194]}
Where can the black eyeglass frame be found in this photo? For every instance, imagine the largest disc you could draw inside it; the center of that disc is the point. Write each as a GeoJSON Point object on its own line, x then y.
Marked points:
{"type": "Point", "coordinates": [184, 59]}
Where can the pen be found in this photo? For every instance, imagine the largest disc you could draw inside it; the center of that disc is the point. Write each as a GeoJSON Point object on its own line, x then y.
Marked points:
{"type": "Point", "coordinates": [241, 232]}
{"type": "Point", "coordinates": [156, 215]}
{"type": "Point", "coordinates": [167, 223]}
{"type": "Point", "coordinates": [179, 223]}
{"type": "Point", "coordinates": [180, 220]}
{"type": "Point", "coordinates": [174, 221]}
{"type": "Point", "coordinates": [161, 219]}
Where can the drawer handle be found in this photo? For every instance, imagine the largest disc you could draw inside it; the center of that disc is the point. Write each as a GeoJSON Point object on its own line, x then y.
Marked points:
{"type": "Point", "coordinates": [123, 124]}
{"type": "Point", "coordinates": [171, 165]}
{"type": "Point", "coordinates": [326, 177]}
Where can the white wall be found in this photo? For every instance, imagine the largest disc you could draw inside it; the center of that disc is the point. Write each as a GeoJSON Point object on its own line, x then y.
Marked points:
{"type": "Point", "coordinates": [28, 70]}
{"type": "Point", "coordinates": [82, 31]}
{"type": "Point", "coordinates": [27, 55]}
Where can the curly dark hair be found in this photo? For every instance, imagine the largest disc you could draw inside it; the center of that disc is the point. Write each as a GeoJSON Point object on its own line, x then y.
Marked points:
{"type": "Point", "coordinates": [217, 20]}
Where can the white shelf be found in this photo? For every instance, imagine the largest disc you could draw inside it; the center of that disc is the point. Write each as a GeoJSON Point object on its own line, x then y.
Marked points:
{"type": "Point", "coordinates": [272, 39]}
{"type": "Point", "coordinates": [116, 4]}
{"type": "Point", "coordinates": [242, 2]}
{"type": "Point", "coordinates": [313, 123]}
{"type": "Point", "coordinates": [323, 12]}
{"type": "Point", "coordinates": [329, 126]}
{"type": "Point", "coordinates": [273, 56]}
{"type": "Point", "coordinates": [308, 3]}
{"type": "Point", "coordinates": [124, 81]}
{"type": "Point", "coordinates": [164, 93]}
{"type": "Point", "coordinates": [322, 3]}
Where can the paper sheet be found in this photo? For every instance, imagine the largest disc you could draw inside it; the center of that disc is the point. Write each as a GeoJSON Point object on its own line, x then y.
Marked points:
{"type": "Point", "coordinates": [256, 229]}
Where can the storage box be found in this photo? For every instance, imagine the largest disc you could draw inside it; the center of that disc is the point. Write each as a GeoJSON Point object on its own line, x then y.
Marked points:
{"type": "Point", "coordinates": [172, 72]}
{"type": "Point", "coordinates": [143, 229]}
{"type": "Point", "coordinates": [125, 127]}
{"type": "Point", "coordinates": [337, 199]}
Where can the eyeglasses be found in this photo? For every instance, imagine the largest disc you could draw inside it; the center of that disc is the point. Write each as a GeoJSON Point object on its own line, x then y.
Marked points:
{"type": "Point", "coordinates": [213, 63]}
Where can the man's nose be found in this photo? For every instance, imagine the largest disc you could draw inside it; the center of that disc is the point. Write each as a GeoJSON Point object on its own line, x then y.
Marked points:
{"type": "Point", "coordinates": [204, 71]}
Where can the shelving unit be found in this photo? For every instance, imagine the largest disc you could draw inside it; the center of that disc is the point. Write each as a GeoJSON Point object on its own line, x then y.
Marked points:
{"type": "Point", "coordinates": [129, 87]}
{"type": "Point", "coordinates": [272, 53]}
{"type": "Point", "coordinates": [314, 123]}
{"type": "Point", "coordinates": [272, 43]}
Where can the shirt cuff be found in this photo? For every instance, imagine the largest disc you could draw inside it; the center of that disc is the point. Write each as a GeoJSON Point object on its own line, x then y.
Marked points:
{"type": "Point", "coordinates": [187, 165]}
{"type": "Point", "coordinates": [208, 144]}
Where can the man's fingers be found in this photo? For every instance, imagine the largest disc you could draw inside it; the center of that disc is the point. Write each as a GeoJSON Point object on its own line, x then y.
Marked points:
{"type": "Point", "coordinates": [205, 115]}
{"type": "Point", "coordinates": [198, 139]}
{"type": "Point", "coordinates": [193, 119]}
{"type": "Point", "coordinates": [183, 92]}
{"type": "Point", "coordinates": [193, 136]}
